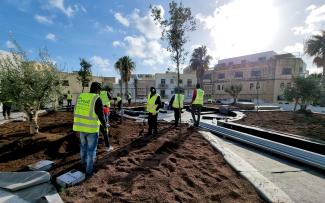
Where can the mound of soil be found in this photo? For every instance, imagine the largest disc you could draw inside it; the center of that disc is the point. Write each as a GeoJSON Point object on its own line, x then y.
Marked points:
{"type": "Point", "coordinates": [308, 125]}
{"type": "Point", "coordinates": [171, 167]}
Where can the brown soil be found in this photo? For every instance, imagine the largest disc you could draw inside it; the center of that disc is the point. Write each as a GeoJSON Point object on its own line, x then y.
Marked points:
{"type": "Point", "coordinates": [171, 167]}
{"type": "Point", "coordinates": [307, 125]}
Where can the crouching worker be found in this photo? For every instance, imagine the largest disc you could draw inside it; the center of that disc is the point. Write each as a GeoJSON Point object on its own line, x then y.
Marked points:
{"type": "Point", "coordinates": [88, 116]}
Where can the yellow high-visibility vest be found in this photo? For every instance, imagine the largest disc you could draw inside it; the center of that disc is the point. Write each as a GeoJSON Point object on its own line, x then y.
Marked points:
{"type": "Point", "coordinates": [151, 103]}
{"type": "Point", "coordinates": [69, 97]}
{"type": "Point", "coordinates": [118, 99]}
{"type": "Point", "coordinates": [199, 97]}
{"type": "Point", "coordinates": [85, 118]}
{"type": "Point", "coordinates": [105, 99]}
{"type": "Point", "coordinates": [178, 101]}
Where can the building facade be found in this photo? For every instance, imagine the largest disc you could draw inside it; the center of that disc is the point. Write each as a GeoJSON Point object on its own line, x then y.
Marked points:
{"type": "Point", "coordinates": [263, 76]}
{"type": "Point", "coordinates": [166, 83]}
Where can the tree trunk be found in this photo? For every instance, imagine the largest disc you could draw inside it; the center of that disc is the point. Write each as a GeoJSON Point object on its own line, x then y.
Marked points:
{"type": "Point", "coordinates": [296, 103]}
{"type": "Point", "coordinates": [126, 90]}
{"type": "Point", "coordinates": [322, 90]}
{"type": "Point", "coordinates": [32, 117]}
{"type": "Point", "coordinates": [83, 87]}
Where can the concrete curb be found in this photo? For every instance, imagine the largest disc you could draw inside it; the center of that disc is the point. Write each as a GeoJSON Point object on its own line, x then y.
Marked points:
{"type": "Point", "coordinates": [265, 187]}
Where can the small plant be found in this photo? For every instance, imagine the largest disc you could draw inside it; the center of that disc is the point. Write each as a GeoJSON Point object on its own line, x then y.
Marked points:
{"type": "Point", "coordinates": [84, 74]}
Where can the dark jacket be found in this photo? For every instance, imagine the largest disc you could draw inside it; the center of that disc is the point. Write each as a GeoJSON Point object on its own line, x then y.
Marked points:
{"type": "Point", "coordinates": [99, 110]}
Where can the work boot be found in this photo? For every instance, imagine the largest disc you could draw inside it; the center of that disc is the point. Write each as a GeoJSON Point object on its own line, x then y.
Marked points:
{"type": "Point", "coordinates": [110, 148]}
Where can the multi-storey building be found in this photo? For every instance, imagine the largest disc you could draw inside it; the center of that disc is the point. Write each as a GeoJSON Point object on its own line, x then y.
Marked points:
{"type": "Point", "coordinates": [71, 83]}
{"type": "Point", "coordinates": [262, 76]}
{"type": "Point", "coordinates": [166, 83]}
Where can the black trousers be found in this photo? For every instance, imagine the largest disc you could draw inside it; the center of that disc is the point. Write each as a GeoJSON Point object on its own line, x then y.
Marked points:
{"type": "Point", "coordinates": [176, 115]}
{"type": "Point", "coordinates": [129, 101]}
{"type": "Point", "coordinates": [152, 122]}
{"type": "Point", "coordinates": [6, 109]}
{"type": "Point", "coordinates": [69, 102]}
{"type": "Point", "coordinates": [106, 138]}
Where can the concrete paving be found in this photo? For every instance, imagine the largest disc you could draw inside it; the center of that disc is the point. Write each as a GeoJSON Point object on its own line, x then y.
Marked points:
{"type": "Point", "coordinates": [14, 116]}
{"type": "Point", "coordinates": [301, 183]}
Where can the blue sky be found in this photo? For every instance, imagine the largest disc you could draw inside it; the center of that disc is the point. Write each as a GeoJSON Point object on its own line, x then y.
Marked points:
{"type": "Point", "coordinates": [102, 31]}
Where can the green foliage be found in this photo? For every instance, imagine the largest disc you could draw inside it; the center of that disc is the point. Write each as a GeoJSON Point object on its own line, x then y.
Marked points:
{"type": "Point", "coordinates": [200, 62]}
{"type": "Point", "coordinates": [175, 28]}
{"type": "Point", "coordinates": [84, 74]}
{"type": "Point", "coordinates": [125, 66]}
{"type": "Point", "coordinates": [29, 84]}
{"type": "Point", "coordinates": [315, 47]}
{"type": "Point", "coordinates": [304, 90]}
{"type": "Point", "coordinates": [233, 90]}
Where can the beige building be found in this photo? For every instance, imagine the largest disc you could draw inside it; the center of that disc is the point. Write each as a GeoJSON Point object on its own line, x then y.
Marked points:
{"type": "Point", "coordinates": [166, 83]}
{"type": "Point", "coordinates": [262, 76]}
{"type": "Point", "coordinates": [71, 83]}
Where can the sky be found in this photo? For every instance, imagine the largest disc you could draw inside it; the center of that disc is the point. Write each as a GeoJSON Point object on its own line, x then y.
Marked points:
{"type": "Point", "coordinates": [102, 31]}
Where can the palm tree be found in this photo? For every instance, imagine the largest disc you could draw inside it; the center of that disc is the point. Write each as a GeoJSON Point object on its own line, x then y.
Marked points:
{"type": "Point", "coordinates": [118, 67]}
{"type": "Point", "coordinates": [200, 62]}
{"type": "Point", "coordinates": [315, 47]}
{"type": "Point", "coordinates": [125, 66]}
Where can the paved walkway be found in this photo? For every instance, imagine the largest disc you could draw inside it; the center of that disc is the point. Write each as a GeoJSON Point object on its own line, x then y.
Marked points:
{"type": "Point", "coordinates": [301, 183]}
{"type": "Point", "coordinates": [15, 115]}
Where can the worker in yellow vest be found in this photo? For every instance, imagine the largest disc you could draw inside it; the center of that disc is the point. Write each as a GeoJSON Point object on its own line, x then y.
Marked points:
{"type": "Point", "coordinates": [153, 106]}
{"type": "Point", "coordinates": [88, 116]}
{"type": "Point", "coordinates": [69, 99]}
{"type": "Point", "coordinates": [129, 98]}
{"type": "Point", "coordinates": [105, 97]}
{"type": "Point", "coordinates": [177, 104]}
{"type": "Point", "coordinates": [197, 103]}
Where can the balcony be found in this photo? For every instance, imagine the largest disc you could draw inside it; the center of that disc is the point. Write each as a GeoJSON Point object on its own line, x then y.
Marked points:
{"type": "Point", "coordinates": [162, 86]}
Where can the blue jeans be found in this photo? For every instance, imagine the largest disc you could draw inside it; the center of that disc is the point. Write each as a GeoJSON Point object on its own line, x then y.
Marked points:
{"type": "Point", "coordinates": [88, 147]}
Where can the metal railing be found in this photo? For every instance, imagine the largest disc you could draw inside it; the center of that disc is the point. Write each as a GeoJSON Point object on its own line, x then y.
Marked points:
{"type": "Point", "coordinates": [297, 154]}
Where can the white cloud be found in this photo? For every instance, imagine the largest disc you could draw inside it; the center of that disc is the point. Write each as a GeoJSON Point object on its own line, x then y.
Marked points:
{"type": "Point", "coordinates": [124, 21]}
{"type": "Point", "coordinates": [241, 27]}
{"type": "Point", "coordinates": [100, 62]}
{"type": "Point", "coordinates": [51, 36]}
{"type": "Point", "coordinates": [67, 10]}
{"type": "Point", "coordinates": [108, 28]}
{"type": "Point", "coordinates": [146, 24]}
{"type": "Point", "coordinates": [43, 19]}
{"type": "Point", "coordinates": [103, 28]}
{"type": "Point", "coordinates": [10, 45]}
{"type": "Point", "coordinates": [314, 22]}
{"type": "Point", "coordinates": [295, 48]}
{"type": "Point", "coordinates": [118, 44]}
{"type": "Point", "coordinates": [150, 51]}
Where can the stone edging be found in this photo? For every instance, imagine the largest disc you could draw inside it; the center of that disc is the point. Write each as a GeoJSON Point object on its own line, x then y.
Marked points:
{"type": "Point", "coordinates": [265, 187]}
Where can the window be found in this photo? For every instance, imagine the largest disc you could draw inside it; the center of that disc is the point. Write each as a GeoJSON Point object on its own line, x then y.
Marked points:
{"type": "Point", "coordinates": [189, 82]}
{"type": "Point", "coordinates": [251, 86]}
{"type": "Point", "coordinates": [286, 71]}
{"type": "Point", "coordinates": [86, 84]}
{"type": "Point", "coordinates": [171, 81]}
{"type": "Point", "coordinates": [163, 81]}
{"type": "Point", "coordinates": [218, 87]}
{"type": "Point", "coordinates": [65, 82]}
{"type": "Point", "coordinates": [256, 73]}
{"type": "Point", "coordinates": [238, 74]}
{"type": "Point", "coordinates": [180, 81]}
{"type": "Point", "coordinates": [222, 87]}
{"type": "Point", "coordinates": [231, 63]}
{"type": "Point", "coordinates": [162, 93]}
{"type": "Point", "coordinates": [221, 76]}
{"type": "Point", "coordinates": [289, 84]}
{"type": "Point", "coordinates": [262, 58]}
{"type": "Point", "coordinates": [172, 92]}
{"type": "Point", "coordinates": [301, 69]}
{"type": "Point", "coordinates": [282, 85]}
{"type": "Point", "coordinates": [243, 61]}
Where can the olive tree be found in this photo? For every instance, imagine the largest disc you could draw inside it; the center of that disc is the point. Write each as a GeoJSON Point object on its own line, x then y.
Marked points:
{"type": "Point", "coordinates": [233, 90]}
{"type": "Point", "coordinates": [84, 74]}
{"type": "Point", "coordinates": [29, 84]}
{"type": "Point", "coordinates": [304, 91]}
